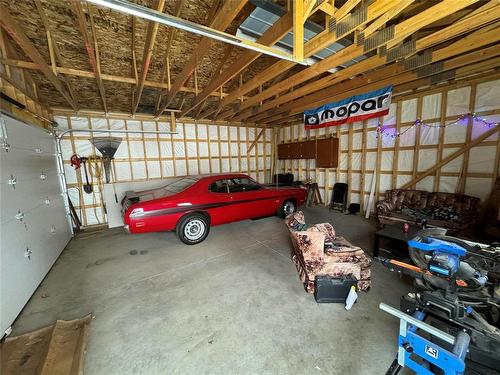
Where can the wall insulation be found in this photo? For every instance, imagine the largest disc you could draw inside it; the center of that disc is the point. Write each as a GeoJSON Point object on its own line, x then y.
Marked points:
{"type": "Point", "coordinates": [197, 148]}
{"type": "Point", "coordinates": [398, 160]}
{"type": "Point", "coordinates": [34, 225]}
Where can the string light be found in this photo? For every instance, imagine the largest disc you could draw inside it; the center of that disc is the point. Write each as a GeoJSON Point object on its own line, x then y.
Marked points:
{"type": "Point", "coordinates": [383, 131]}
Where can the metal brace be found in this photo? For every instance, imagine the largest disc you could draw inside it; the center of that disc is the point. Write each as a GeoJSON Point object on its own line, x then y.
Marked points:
{"type": "Point", "coordinates": [20, 216]}
{"type": "Point", "coordinates": [12, 182]}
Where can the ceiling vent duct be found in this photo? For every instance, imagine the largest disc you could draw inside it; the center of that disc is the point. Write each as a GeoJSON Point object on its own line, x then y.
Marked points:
{"type": "Point", "coordinates": [107, 146]}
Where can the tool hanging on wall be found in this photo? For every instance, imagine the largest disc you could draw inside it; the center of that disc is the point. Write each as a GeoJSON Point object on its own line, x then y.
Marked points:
{"type": "Point", "coordinates": [87, 187]}
{"type": "Point", "coordinates": [75, 161]}
{"type": "Point", "coordinates": [107, 146]}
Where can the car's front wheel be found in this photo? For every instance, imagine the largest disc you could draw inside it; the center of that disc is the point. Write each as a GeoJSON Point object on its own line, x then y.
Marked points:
{"type": "Point", "coordinates": [193, 228]}
{"type": "Point", "coordinates": [288, 207]}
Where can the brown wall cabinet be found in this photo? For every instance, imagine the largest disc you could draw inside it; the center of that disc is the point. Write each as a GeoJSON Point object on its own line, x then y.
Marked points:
{"type": "Point", "coordinates": [325, 151]}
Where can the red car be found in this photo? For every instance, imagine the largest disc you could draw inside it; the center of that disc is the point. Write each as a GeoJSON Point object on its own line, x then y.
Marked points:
{"type": "Point", "coordinates": [190, 205]}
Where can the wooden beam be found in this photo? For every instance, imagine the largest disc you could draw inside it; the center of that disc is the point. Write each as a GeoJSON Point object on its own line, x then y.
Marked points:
{"type": "Point", "coordinates": [310, 47]}
{"type": "Point", "coordinates": [329, 86]}
{"type": "Point", "coordinates": [389, 15]}
{"type": "Point", "coordinates": [104, 77]}
{"type": "Point", "coordinates": [371, 63]}
{"type": "Point", "coordinates": [436, 12]}
{"type": "Point", "coordinates": [256, 140]}
{"type": "Point", "coordinates": [309, 6]}
{"type": "Point", "coordinates": [272, 35]}
{"type": "Point", "coordinates": [403, 88]}
{"type": "Point", "coordinates": [346, 8]}
{"type": "Point", "coordinates": [298, 30]}
{"type": "Point", "coordinates": [166, 65]}
{"type": "Point", "coordinates": [224, 17]}
{"type": "Point", "coordinates": [29, 49]}
{"type": "Point", "coordinates": [82, 24]}
{"type": "Point", "coordinates": [54, 51]}
{"type": "Point", "coordinates": [149, 44]}
{"type": "Point", "coordinates": [454, 155]}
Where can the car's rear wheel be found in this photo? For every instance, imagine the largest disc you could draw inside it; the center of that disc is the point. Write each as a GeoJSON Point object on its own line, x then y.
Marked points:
{"type": "Point", "coordinates": [288, 207]}
{"type": "Point", "coordinates": [193, 228]}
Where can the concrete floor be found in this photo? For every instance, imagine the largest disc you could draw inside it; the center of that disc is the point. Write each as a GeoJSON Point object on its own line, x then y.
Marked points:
{"type": "Point", "coordinates": [231, 305]}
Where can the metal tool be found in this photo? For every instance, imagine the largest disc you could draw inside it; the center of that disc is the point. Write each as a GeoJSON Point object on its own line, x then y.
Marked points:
{"type": "Point", "coordinates": [457, 291]}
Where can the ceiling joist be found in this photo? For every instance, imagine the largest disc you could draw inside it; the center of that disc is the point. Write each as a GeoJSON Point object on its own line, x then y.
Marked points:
{"type": "Point", "coordinates": [14, 30]}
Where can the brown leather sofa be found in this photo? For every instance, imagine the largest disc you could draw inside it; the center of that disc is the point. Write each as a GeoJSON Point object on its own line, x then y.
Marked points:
{"type": "Point", "coordinates": [447, 210]}
{"type": "Point", "coordinates": [317, 250]}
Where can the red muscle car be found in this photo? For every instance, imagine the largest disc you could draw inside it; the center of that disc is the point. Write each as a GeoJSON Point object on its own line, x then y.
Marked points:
{"type": "Point", "coordinates": [190, 205]}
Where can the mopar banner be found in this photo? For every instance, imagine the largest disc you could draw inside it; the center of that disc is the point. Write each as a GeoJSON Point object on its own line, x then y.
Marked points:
{"type": "Point", "coordinates": [356, 108]}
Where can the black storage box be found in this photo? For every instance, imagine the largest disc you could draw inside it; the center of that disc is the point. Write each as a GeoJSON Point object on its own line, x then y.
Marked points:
{"type": "Point", "coordinates": [331, 289]}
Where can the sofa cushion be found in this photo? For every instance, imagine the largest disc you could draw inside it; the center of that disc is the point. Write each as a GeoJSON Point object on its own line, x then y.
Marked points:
{"type": "Point", "coordinates": [460, 203]}
{"type": "Point", "coordinates": [408, 198]}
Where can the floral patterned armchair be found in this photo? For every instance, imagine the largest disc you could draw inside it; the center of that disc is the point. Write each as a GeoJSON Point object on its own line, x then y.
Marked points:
{"type": "Point", "coordinates": [319, 251]}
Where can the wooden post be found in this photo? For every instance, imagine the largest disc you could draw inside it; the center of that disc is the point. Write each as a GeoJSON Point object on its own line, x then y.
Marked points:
{"type": "Point", "coordinates": [395, 158]}
{"type": "Point", "coordinates": [442, 130]}
{"type": "Point", "coordinates": [468, 136]}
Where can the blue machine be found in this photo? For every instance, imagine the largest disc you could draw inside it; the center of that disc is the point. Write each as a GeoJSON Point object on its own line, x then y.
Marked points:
{"type": "Point", "coordinates": [415, 351]}
{"type": "Point", "coordinates": [418, 353]}
{"type": "Point", "coordinates": [445, 256]}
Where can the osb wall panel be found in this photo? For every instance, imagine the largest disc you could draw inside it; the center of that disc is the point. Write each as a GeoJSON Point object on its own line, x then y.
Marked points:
{"type": "Point", "coordinates": [195, 149]}
{"type": "Point", "coordinates": [398, 160]}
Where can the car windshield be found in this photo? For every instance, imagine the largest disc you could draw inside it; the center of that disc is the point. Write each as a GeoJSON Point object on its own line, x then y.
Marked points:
{"type": "Point", "coordinates": [177, 186]}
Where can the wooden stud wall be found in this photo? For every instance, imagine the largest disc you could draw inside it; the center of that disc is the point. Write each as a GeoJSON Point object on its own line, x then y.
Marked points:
{"type": "Point", "coordinates": [326, 177]}
{"type": "Point", "coordinates": [258, 162]}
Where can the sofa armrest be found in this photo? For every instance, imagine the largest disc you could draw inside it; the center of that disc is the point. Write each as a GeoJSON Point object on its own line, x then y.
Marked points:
{"type": "Point", "coordinates": [310, 245]}
{"type": "Point", "coordinates": [384, 208]}
{"type": "Point", "coordinates": [326, 229]}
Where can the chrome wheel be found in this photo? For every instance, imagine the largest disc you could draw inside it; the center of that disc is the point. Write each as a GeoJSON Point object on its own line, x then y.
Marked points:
{"type": "Point", "coordinates": [194, 229]}
{"type": "Point", "coordinates": [288, 208]}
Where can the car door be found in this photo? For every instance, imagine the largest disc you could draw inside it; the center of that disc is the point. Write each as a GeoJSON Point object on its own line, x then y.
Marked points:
{"type": "Point", "coordinates": [219, 203]}
{"type": "Point", "coordinates": [250, 199]}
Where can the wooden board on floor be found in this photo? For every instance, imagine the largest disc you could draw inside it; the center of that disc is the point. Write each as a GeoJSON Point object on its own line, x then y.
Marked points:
{"type": "Point", "coordinates": [56, 349]}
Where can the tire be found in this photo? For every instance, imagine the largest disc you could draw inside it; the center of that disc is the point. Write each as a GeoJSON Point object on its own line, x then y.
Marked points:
{"type": "Point", "coordinates": [288, 207]}
{"type": "Point", "coordinates": [193, 228]}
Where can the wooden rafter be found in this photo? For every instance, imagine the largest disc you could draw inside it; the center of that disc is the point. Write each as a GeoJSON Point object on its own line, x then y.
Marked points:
{"type": "Point", "coordinates": [346, 88]}
{"type": "Point", "coordinates": [298, 30]}
{"type": "Point", "coordinates": [441, 10]}
{"type": "Point", "coordinates": [105, 77]}
{"type": "Point", "coordinates": [222, 20]}
{"type": "Point", "coordinates": [272, 35]}
{"type": "Point", "coordinates": [166, 58]}
{"type": "Point", "coordinates": [363, 67]}
{"type": "Point", "coordinates": [151, 33]}
{"type": "Point", "coordinates": [55, 53]}
{"type": "Point", "coordinates": [407, 84]}
{"type": "Point", "coordinates": [13, 29]}
{"type": "Point", "coordinates": [90, 47]}
{"type": "Point", "coordinates": [389, 15]}
{"type": "Point", "coordinates": [311, 47]}
{"type": "Point", "coordinates": [394, 74]}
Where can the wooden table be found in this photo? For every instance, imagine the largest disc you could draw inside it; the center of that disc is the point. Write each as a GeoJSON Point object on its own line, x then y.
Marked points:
{"type": "Point", "coordinates": [395, 234]}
